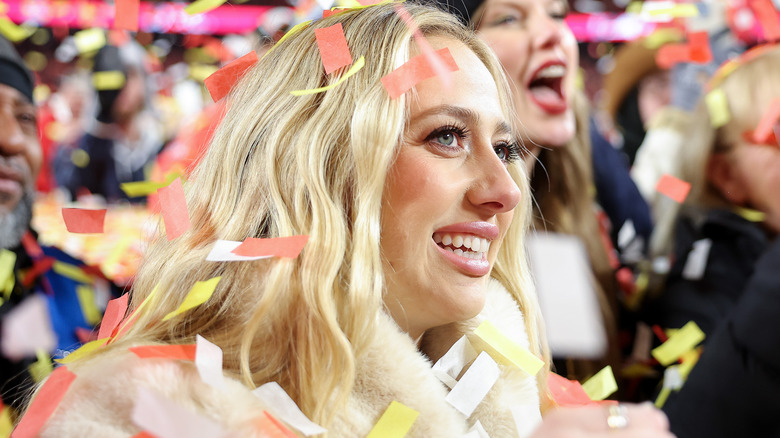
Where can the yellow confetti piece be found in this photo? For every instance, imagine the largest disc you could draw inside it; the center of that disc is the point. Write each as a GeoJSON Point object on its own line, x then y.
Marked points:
{"type": "Point", "coordinates": [718, 107]}
{"type": "Point", "coordinates": [200, 72]}
{"type": "Point", "coordinates": [112, 261]}
{"type": "Point", "coordinates": [634, 8]}
{"type": "Point", "coordinates": [637, 370]}
{"type": "Point", "coordinates": [72, 271]}
{"type": "Point", "coordinates": [82, 351]}
{"type": "Point", "coordinates": [395, 422]}
{"type": "Point", "coordinates": [199, 294]}
{"type": "Point", "coordinates": [750, 214]}
{"type": "Point", "coordinates": [41, 368]}
{"type": "Point", "coordinates": [6, 425]}
{"type": "Point", "coordinates": [489, 338]}
{"type": "Point", "coordinates": [108, 80]}
{"type": "Point", "coordinates": [13, 32]}
{"type": "Point", "coordinates": [661, 37]}
{"type": "Point", "coordinates": [681, 10]}
{"type": "Point", "coordinates": [662, 396]}
{"type": "Point", "coordinates": [689, 359]}
{"type": "Point", "coordinates": [201, 6]}
{"type": "Point", "coordinates": [7, 263]}
{"type": "Point", "coordinates": [89, 309]}
{"type": "Point", "coordinates": [295, 29]}
{"type": "Point", "coordinates": [144, 188]}
{"type": "Point", "coordinates": [149, 298]}
{"type": "Point", "coordinates": [80, 158]}
{"type": "Point", "coordinates": [354, 69]}
{"type": "Point", "coordinates": [601, 385]}
{"type": "Point", "coordinates": [678, 344]}
{"type": "Point", "coordinates": [90, 40]}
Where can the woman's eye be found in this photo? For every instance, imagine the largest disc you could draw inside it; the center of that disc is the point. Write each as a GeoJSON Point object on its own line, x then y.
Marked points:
{"type": "Point", "coordinates": [505, 19]}
{"type": "Point", "coordinates": [446, 138]}
{"type": "Point", "coordinates": [502, 152]}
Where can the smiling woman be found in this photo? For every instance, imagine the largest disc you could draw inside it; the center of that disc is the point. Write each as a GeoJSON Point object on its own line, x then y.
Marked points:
{"type": "Point", "coordinates": [415, 208]}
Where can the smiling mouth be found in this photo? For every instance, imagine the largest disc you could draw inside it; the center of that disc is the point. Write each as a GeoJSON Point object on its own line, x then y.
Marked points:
{"type": "Point", "coordinates": [464, 245]}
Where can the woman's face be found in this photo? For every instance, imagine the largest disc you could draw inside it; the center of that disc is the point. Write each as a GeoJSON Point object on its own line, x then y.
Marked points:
{"type": "Point", "coordinates": [539, 53]}
{"type": "Point", "coordinates": [449, 198]}
{"type": "Point", "coordinates": [750, 177]}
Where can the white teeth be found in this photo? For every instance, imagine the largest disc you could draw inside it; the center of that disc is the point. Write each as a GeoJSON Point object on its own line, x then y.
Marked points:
{"type": "Point", "coordinates": [465, 245]}
{"type": "Point", "coordinates": [553, 71]}
{"type": "Point", "coordinates": [457, 241]}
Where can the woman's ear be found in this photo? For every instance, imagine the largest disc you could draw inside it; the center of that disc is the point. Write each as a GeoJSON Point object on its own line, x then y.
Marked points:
{"type": "Point", "coordinates": [724, 175]}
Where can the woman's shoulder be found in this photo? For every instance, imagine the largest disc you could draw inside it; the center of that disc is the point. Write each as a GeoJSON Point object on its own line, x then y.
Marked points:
{"type": "Point", "coordinates": [102, 399]}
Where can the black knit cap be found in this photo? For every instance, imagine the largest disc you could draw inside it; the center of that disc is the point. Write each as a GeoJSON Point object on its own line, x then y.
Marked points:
{"type": "Point", "coordinates": [13, 72]}
{"type": "Point", "coordinates": [463, 9]}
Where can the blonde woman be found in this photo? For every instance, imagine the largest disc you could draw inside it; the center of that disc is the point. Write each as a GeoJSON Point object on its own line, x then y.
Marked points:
{"type": "Point", "coordinates": [385, 189]}
{"type": "Point", "coordinates": [730, 174]}
{"type": "Point", "coordinates": [726, 276]}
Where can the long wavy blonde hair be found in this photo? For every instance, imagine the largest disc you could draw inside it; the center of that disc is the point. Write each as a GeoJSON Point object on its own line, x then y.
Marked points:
{"type": "Point", "coordinates": [281, 165]}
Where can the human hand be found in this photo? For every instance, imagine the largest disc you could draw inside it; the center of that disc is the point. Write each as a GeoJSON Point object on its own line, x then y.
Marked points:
{"type": "Point", "coordinates": [641, 421]}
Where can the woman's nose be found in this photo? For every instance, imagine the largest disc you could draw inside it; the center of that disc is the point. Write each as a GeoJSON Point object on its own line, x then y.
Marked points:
{"type": "Point", "coordinates": [494, 189]}
{"type": "Point", "coordinates": [546, 31]}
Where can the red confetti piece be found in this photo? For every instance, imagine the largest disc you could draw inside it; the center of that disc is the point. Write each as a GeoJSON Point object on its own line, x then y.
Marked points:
{"type": "Point", "coordinates": [173, 206]}
{"type": "Point", "coordinates": [288, 247]}
{"type": "Point", "coordinates": [175, 352]}
{"type": "Point", "coordinates": [764, 131]}
{"type": "Point", "coordinates": [126, 14]}
{"type": "Point", "coordinates": [435, 61]}
{"type": "Point", "coordinates": [144, 434]}
{"type": "Point", "coordinates": [44, 404]}
{"type": "Point", "coordinates": [31, 245]}
{"type": "Point", "coordinates": [674, 188]}
{"type": "Point", "coordinates": [767, 14]}
{"type": "Point", "coordinates": [334, 50]}
{"type": "Point", "coordinates": [417, 69]}
{"type": "Point", "coordinates": [328, 12]}
{"type": "Point", "coordinates": [220, 83]}
{"type": "Point", "coordinates": [270, 427]}
{"type": "Point", "coordinates": [115, 311]}
{"type": "Point", "coordinates": [567, 392]}
{"type": "Point", "coordinates": [79, 220]}
{"type": "Point", "coordinates": [697, 50]}
{"type": "Point", "coordinates": [699, 47]}
{"type": "Point", "coordinates": [40, 267]}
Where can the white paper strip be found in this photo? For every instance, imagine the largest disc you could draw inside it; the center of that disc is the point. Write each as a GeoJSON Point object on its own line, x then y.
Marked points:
{"type": "Point", "coordinates": [27, 328]}
{"type": "Point", "coordinates": [165, 419]}
{"type": "Point", "coordinates": [221, 252]}
{"type": "Point", "coordinates": [672, 378]}
{"type": "Point", "coordinates": [474, 385]}
{"type": "Point", "coordinates": [626, 234]}
{"type": "Point", "coordinates": [449, 366]}
{"type": "Point", "coordinates": [526, 417]}
{"type": "Point", "coordinates": [477, 431]}
{"type": "Point", "coordinates": [697, 260]}
{"type": "Point", "coordinates": [282, 406]}
{"type": "Point", "coordinates": [208, 360]}
{"type": "Point", "coordinates": [566, 296]}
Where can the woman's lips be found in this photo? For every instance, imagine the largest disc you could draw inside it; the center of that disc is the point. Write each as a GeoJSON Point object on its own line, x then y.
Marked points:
{"type": "Point", "coordinates": [471, 267]}
{"type": "Point", "coordinates": [545, 88]}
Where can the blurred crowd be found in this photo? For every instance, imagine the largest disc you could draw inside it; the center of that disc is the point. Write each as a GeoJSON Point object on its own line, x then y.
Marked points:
{"type": "Point", "coordinates": [693, 107]}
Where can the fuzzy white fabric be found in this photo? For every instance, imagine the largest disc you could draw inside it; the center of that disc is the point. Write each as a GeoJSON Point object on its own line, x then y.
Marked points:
{"type": "Point", "coordinates": [100, 401]}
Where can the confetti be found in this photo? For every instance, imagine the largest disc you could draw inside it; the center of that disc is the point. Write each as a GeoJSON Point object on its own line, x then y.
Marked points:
{"type": "Point", "coordinates": [14, 33]}
{"type": "Point", "coordinates": [270, 427]}
{"type": "Point", "coordinates": [601, 385]}
{"type": "Point", "coordinates": [334, 50]}
{"type": "Point", "coordinates": [115, 311]}
{"type": "Point", "coordinates": [286, 409]}
{"type": "Point", "coordinates": [126, 14]}
{"type": "Point", "coordinates": [44, 404]}
{"type": "Point", "coordinates": [84, 221]}
{"type": "Point", "coordinates": [567, 392]}
{"type": "Point", "coordinates": [474, 385]}
{"type": "Point", "coordinates": [27, 328]}
{"type": "Point", "coordinates": [696, 262]}
{"type": "Point", "coordinates": [201, 6]}
{"type": "Point", "coordinates": [488, 338]}
{"type": "Point", "coordinates": [90, 40]}
{"type": "Point", "coordinates": [174, 352]}
{"type": "Point", "coordinates": [221, 81]}
{"type": "Point", "coordinates": [674, 188]}
{"type": "Point", "coordinates": [208, 360]}
{"type": "Point", "coordinates": [165, 419]}
{"type": "Point", "coordinates": [681, 342]}
{"type": "Point", "coordinates": [82, 351]}
{"type": "Point", "coordinates": [288, 247]}
{"type": "Point", "coordinates": [449, 366]}
{"type": "Point", "coordinates": [395, 422]}
{"type": "Point", "coordinates": [354, 69]}
{"type": "Point", "coordinates": [767, 14]}
{"type": "Point", "coordinates": [764, 131]}
{"type": "Point", "coordinates": [199, 294]}
{"type": "Point", "coordinates": [433, 58]}
{"type": "Point", "coordinates": [7, 263]}
{"type": "Point", "coordinates": [173, 206]}
{"type": "Point", "coordinates": [108, 80]}
{"type": "Point", "coordinates": [417, 69]}
{"type": "Point", "coordinates": [718, 107]}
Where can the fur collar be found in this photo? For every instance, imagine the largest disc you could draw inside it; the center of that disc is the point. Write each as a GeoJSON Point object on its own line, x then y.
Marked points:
{"type": "Point", "coordinates": [392, 369]}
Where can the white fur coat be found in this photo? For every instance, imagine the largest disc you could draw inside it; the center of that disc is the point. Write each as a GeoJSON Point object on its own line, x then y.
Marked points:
{"type": "Point", "coordinates": [100, 401]}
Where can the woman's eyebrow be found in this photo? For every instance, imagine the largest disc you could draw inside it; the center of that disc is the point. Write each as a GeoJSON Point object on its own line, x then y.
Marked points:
{"type": "Point", "coordinates": [465, 115]}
